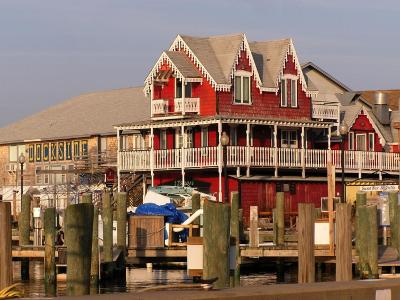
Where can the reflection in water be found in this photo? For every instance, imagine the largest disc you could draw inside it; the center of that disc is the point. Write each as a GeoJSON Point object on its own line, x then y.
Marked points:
{"type": "Point", "coordinates": [138, 278]}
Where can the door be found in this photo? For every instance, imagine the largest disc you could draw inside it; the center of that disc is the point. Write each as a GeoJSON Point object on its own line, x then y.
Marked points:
{"type": "Point", "coordinates": [361, 142]}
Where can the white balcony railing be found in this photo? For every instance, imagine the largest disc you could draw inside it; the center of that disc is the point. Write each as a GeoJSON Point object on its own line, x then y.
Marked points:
{"type": "Point", "coordinates": [159, 107]}
{"type": "Point", "coordinates": [329, 112]}
{"type": "Point", "coordinates": [192, 105]}
{"type": "Point", "coordinates": [358, 161]}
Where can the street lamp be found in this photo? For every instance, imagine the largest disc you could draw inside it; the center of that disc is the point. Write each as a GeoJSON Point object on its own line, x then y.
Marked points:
{"type": "Point", "coordinates": [21, 160]}
{"type": "Point", "coordinates": [343, 129]}
{"type": "Point", "coordinates": [225, 143]}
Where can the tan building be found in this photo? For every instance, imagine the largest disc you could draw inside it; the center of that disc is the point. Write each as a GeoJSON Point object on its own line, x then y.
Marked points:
{"type": "Point", "coordinates": [68, 147]}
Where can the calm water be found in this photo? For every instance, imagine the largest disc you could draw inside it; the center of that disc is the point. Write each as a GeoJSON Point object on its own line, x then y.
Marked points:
{"type": "Point", "coordinates": [138, 278]}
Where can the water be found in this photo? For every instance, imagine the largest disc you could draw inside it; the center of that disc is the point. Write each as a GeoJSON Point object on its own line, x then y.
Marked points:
{"type": "Point", "coordinates": [139, 278]}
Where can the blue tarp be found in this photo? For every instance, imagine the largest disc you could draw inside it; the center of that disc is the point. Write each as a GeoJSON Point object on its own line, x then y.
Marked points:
{"type": "Point", "coordinates": [168, 210]}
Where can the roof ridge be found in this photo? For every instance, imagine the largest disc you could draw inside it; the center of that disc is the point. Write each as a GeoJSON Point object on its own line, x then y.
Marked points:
{"type": "Point", "coordinates": [275, 40]}
{"type": "Point", "coordinates": [211, 36]}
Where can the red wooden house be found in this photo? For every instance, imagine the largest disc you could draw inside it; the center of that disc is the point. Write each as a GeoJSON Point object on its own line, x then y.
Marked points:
{"type": "Point", "coordinates": [282, 129]}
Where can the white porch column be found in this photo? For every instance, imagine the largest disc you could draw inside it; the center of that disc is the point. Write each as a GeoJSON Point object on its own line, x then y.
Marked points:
{"type": "Point", "coordinates": [183, 154]}
{"type": "Point", "coordinates": [118, 161]}
{"type": "Point", "coordinates": [248, 161]}
{"type": "Point", "coordinates": [219, 162]}
{"type": "Point", "coordinates": [329, 158]}
{"type": "Point", "coordinates": [303, 152]}
{"type": "Point", "coordinates": [152, 155]}
{"type": "Point", "coordinates": [276, 149]}
{"type": "Point", "coordinates": [183, 96]}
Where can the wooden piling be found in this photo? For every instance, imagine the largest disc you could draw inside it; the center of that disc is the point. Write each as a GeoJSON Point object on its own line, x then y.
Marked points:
{"type": "Point", "coordinates": [362, 240]}
{"type": "Point", "coordinates": [107, 228]}
{"type": "Point", "coordinates": [216, 243]}
{"type": "Point", "coordinates": [305, 231]}
{"type": "Point", "coordinates": [361, 199]}
{"type": "Point", "coordinates": [122, 199]}
{"type": "Point", "coordinates": [78, 236]}
{"type": "Point", "coordinates": [280, 218]}
{"type": "Point", "coordinates": [24, 232]}
{"type": "Point", "coordinates": [373, 242]}
{"type": "Point", "coordinates": [235, 235]}
{"type": "Point", "coordinates": [6, 273]}
{"type": "Point", "coordinates": [253, 234]}
{"type": "Point", "coordinates": [393, 217]}
{"type": "Point", "coordinates": [343, 242]}
{"type": "Point", "coordinates": [195, 207]}
{"type": "Point", "coordinates": [50, 275]}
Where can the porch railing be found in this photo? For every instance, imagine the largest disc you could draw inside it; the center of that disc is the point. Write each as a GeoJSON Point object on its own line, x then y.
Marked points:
{"type": "Point", "coordinates": [239, 156]}
{"type": "Point", "coordinates": [192, 105]}
{"type": "Point", "coordinates": [159, 107]}
{"type": "Point", "coordinates": [329, 112]}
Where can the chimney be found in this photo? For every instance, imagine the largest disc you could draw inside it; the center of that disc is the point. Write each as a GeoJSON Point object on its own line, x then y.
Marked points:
{"type": "Point", "coordinates": [381, 108]}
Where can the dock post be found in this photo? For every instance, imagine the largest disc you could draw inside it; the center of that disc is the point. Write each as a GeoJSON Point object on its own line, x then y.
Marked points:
{"type": "Point", "coordinates": [253, 234]}
{"type": "Point", "coordinates": [6, 273]}
{"type": "Point", "coordinates": [50, 275]}
{"type": "Point", "coordinates": [24, 232]}
{"type": "Point", "coordinates": [94, 266]}
{"type": "Point", "coordinates": [107, 228]}
{"type": "Point", "coordinates": [343, 242]}
{"type": "Point", "coordinates": [362, 240]}
{"type": "Point", "coordinates": [305, 231]}
{"type": "Point", "coordinates": [393, 217]}
{"type": "Point", "coordinates": [372, 242]}
{"type": "Point", "coordinates": [216, 243]}
{"type": "Point", "coordinates": [122, 199]}
{"type": "Point", "coordinates": [235, 234]}
{"type": "Point", "coordinates": [195, 207]}
{"type": "Point", "coordinates": [78, 237]}
{"type": "Point", "coordinates": [280, 216]}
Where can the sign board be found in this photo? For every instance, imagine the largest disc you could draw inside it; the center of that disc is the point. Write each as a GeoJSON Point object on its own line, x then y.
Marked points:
{"type": "Point", "coordinates": [110, 177]}
{"type": "Point", "coordinates": [379, 188]}
{"type": "Point", "coordinates": [36, 212]}
{"type": "Point", "coordinates": [321, 233]}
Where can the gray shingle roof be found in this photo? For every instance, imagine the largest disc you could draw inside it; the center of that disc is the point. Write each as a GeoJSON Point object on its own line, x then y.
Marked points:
{"type": "Point", "coordinates": [182, 62]}
{"type": "Point", "coordinates": [84, 115]}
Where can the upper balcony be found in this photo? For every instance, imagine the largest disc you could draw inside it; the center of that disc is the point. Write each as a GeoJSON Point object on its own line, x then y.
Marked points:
{"type": "Point", "coordinates": [325, 112]}
{"type": "Point", "coordinates": [161, 107]}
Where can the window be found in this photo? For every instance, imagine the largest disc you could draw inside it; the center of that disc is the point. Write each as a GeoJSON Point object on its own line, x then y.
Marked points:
{"type": "Point", "coordinates": [288, 92]}
{"type": "Point", "coordinates": [289, 139]}
{"type": "Point", "coordinates": [351, 140]}
{"type": "Point", "coordinates": [204, 136]}
{"type": "Point", "coordinates": [178, 138]}
{"type": "Point", "coordinates": [189, 138]}
{"type": "Point", "coordinates": [125, 139]}
{"type": "Point", "coordinates": [61, 150]}
{"type": "Point", "coordinates": [371, 141]}
{"type": "Point", "coordinates": [68, 150]}
{"type": "Point", "coordinates": [242, 89]}
{"type": "Point", "coordinates": [84, 148]}
{"type": "Point", "coordinates": [38, 176]}
{"type": "Point", "coordinates": [138, 141]}
{"type": "Point", "coordinates": [76, 148]}
{"type": "Point", "coordinates": [46, 175]}
{"type": "Point", "coordinates": [163, 139]}
{"type": "Point", "coordinates": [233, 136]}
{"type": "Point", "coordinates": [53, 151]}
{"type": "Point", "coordinates": [15, 151]}
{"type": "Point", "coordinates": [31, 151]}
{"type": "Point", "coordinates": [178, 89]}
{"type": "Point", "coordinates": [46, 152]}
{"type": "Point", "coordinates": [361, 142]}
{"type": "Point", "coordinates": [38, 152]}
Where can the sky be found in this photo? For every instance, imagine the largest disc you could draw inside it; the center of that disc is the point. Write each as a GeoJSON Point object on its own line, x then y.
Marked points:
{"type": "Point", "coordinates": [53, 50]}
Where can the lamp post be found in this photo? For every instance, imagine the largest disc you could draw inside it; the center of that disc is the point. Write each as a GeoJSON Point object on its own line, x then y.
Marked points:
{"type": "Point", "coordinates": [21, 160]}
{"type": "Point", "coordinates": [343, 129]}
{"type": "Point", "coordinates": [225, 143]}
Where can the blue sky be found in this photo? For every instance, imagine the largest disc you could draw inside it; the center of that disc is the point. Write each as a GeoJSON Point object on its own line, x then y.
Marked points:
{"type": "Point", "coordinates": [53, 50]}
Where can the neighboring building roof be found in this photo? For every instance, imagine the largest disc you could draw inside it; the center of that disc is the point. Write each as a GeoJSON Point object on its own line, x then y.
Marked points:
{"type": "Point", "coordinates": [393, 97]}
{"type": "Point", "coordinates": [84, 115]}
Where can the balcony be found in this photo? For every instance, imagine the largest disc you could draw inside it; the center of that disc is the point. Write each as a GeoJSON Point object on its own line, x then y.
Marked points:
{"type": "Point", "coordinates": [192, 105]}
{"type": "Point", "coordinates": [242, 156]}
{"type": "Point", "coordinates": [326, 112]}
{"type": "Point", "coordinates": [159, 107]}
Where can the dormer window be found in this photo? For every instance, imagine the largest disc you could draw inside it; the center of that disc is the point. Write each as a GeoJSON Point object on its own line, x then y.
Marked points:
{"type": "Point", "coordinates": [289, 91]}
{"type": "Point", "coordinates": [178, 89]}
{"type": "Point", "coordinates": [242, 88]}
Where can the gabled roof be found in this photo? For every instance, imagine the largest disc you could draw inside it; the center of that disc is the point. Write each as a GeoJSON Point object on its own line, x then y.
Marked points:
{"type": "Point", "coordinates": [81, 116]}
{"type": "Point", "coordinates": [183, 64]}
{"type": "Point", "coordinates": [216, 58]}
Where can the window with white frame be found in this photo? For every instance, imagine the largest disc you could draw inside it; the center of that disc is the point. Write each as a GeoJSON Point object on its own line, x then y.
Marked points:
{"type": "Point", "coordinates": [138, 141]}
{"type": "Point", "coordinates": [289, 91]}
{"type": "Point", "coordinates": [204, 136]}
{"type": "Point", "coordinates": [351, 140]}
{"type": "Point", "coordinates": [371, 141]}
{"type": "Point", "coordinates": [242, 87]}
{"type": "Point", "coordinates": [178, 138]}
{"type": "Point", "coordinates": [126, 142]}
{"type": "Point", "coordinates": [178, 89]}
{"type": "Point", "coordinates": [163, 139]}
{"type": "Point", "coordinates": [15, 151]}
{"type": "Point", "coordinates": [233, 136]}
{"type": "Point", "coordinates": [38, 176]}
{"type": "Point", "coordinates": [189, 138]}
{"type": "Point", "coordinates": [289, 139]}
